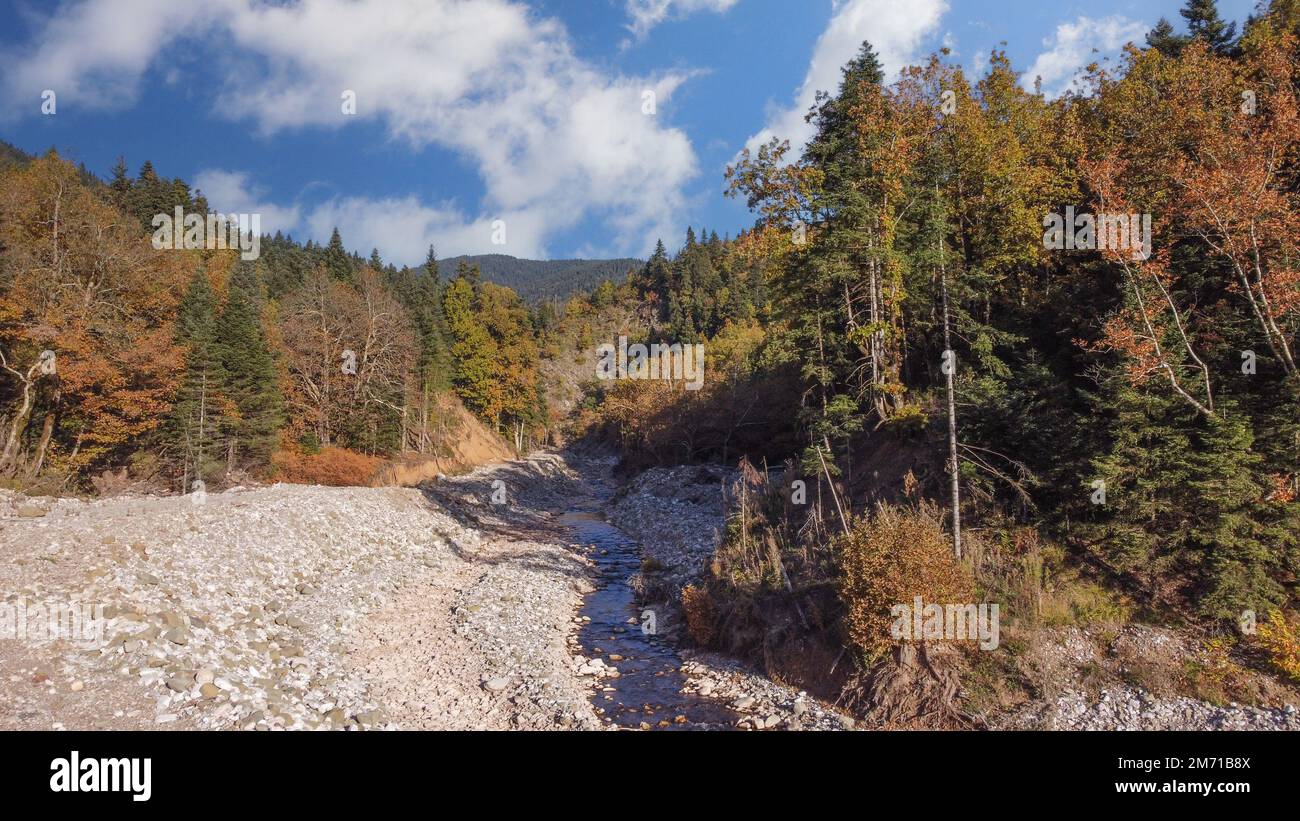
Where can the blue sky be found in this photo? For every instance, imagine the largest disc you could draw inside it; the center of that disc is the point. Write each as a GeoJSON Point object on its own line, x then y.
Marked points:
{"type": "Point", "coordinates": [469, 112]}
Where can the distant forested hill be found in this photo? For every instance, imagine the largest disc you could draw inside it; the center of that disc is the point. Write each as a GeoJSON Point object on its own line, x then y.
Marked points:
{"type": "Point", "coordinates": [10, 155]}
{"type": "Point", "coordinates": [536, 279]}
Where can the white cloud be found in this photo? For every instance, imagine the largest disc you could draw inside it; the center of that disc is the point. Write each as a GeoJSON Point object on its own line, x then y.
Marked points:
{"type": "Point", "coordinates": [232, 192]}
{"type": "Point", "coordinates": [1071, 47]}
{"type": "Point", "coordinates": [895, 30]}
{"type": "Point", "coordinates": [646, 14]}
{"type": "Point", "coordinates": [554, 138]}
{"type": "Point", "coordinates": [402, 228]}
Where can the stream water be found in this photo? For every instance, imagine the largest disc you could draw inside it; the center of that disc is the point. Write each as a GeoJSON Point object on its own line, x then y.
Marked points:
{"type": "Point", "coordinates": [647, 692]}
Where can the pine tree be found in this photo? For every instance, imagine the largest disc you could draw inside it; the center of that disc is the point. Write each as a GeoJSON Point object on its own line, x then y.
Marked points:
{"type": "Point", "coordinates": [1243, 541]}
{"type": "Point", "coordinates": [1163, 39]}
{"type": "Point", "coordinates": [120, 184]}
{"type": "Point", "coordinates": [198, 415]}
{"type": "Point", "coordinates": [473, 350]}
{"type": "Point", "coordinates": [656, 274]}
{"type": "Point", "coordinates": [337, 261]}
{"type": "Point", "coordinates": [1204, 23]}
{"type": "Point", "coordinates": [250, 372]}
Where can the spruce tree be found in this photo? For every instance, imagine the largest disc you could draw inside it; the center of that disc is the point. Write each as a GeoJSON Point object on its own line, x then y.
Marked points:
{"type": "Point", "coordinates": [194, 428]}
{"type": "Point", "coordinates": [119, 185]}
{"type": "Point", "coordinates": [250, 372]}
{"type": "Point", "coordinates": [1204, 23]}
{"type": "Point", "coordinates": [1165, 40]}
{"type": "Point", "coordinates": [431, 322]}
{"type": "Point", "coordinates": [336, 259]}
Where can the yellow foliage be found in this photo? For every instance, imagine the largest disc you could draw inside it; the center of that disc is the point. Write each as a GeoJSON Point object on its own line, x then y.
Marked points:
{"type": "Point", "coordinates": [1280, 638]}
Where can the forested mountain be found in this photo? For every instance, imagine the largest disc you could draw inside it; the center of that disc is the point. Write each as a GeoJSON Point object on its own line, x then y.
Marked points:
{"type": "Point", "coordinates": [536, 280]}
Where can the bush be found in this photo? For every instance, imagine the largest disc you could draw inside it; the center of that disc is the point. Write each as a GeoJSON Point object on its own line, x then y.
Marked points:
{"type": "Point", "coordinates": [333, 466]}
{"type": "Point", "coordinates": [1280, 638]}
{"type": "Point", "coordinates": [890, 558]}
{"type": "Point", "coordinates": [701, 616]}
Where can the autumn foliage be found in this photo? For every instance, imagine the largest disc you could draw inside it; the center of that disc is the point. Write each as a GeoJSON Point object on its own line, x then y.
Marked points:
{"type": "Point", "coordinates": [330, 466]}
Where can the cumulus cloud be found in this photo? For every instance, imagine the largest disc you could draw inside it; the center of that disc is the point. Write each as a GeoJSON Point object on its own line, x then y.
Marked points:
{"type": "Point", "coordinates": [1074, 45]}
{"type": "Point", "coordinates": [646, 14]}
{"type": "Point", "coordinates": [553, 138]}
{"type": "Point", "coordinates": [233, 192]}
{"type": "Point", "coordinates": [895, 30]}
{"type": "Point", "coordinates": [402, 228]}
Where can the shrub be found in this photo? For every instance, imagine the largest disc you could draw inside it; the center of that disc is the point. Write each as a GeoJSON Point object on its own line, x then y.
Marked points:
{"type": "Point", "coordinates": [701, 615]}
{"type": "Point", "coordinates": [338, 467]}
{"type": "Point", "coordinates": [889, 558]}
{"type": "Point", "coordinates": [1280, 638]}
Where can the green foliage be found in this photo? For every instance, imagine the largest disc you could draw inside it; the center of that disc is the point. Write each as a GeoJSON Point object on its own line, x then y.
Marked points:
{"type": "Point", "coordinates": [194, 430]}
{"type": "Point", "coordinates": [250, 371]}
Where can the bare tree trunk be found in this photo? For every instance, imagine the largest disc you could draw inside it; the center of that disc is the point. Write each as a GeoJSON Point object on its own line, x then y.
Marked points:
{"type": "Point", "coordinates": [10, 454]}
{"type": "Point", "coordinates": [47, 432]}
{"type": "Point", "coordinates": [952, 407]}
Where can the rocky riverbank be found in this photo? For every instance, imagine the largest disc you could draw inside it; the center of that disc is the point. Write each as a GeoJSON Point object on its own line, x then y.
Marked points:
{"type": "Point", "coordinates": [454, 606]}
{"type": "Point", "coordinates": [292, 607]}
{"type": "Point", "coordinates": [677, 514]}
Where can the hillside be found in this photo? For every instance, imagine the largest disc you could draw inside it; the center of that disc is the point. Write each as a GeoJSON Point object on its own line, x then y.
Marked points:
{"type": "Point", "coordinates": [11, 155]}
{"type": "Point", "coordinates": [537, 279]}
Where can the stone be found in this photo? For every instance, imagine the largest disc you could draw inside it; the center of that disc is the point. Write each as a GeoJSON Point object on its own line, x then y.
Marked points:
{"type": "Point", "coordinates": [177, 635]}
{"type": "Point", "coordinates": [496, 684]}
{"type": "Point", "coordinates": [180, 683]}
{"type": "Point", "coordinates": [743, 703]}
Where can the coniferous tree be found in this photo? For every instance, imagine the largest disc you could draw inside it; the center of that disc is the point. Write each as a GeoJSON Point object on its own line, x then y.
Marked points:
{"type": "Point", "coordinates": [194, 430]}
{"type": "Point", "coordinates": [1204, 23]}
{"type": "Point", "coordinates": [250, 372]}
{"type": "Point", "coordinates": [1165, 40]}
{"type": "Point", "coordinates": [120, 184]}
{"type": "Point", "coordinates": [336, 259]}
